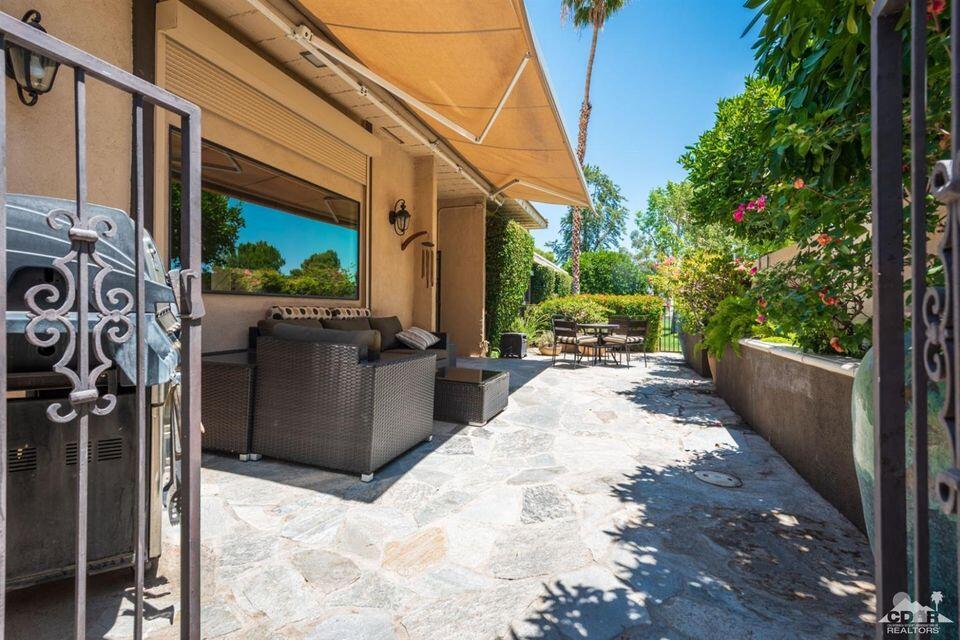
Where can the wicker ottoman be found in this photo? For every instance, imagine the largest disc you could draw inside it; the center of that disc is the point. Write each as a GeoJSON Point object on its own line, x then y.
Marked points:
{"type": "Point", "coordinates": [227, 397]}
{"type": "Point", "coordinates": [470, 396]}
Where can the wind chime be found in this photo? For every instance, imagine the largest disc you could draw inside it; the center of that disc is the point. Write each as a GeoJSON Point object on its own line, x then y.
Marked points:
{"type": "Point", "coordinates": [427, 262]}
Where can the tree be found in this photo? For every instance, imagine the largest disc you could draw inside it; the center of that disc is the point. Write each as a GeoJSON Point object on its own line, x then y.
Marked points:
{"type": "Point", "coordinates": [256, 255]}
{"type": "Point", "coordinates": [666, 228]}
{"type": "Point", "coordinates": [730, 164]}
{"type": "Point", "coordinates": [324, 260]}
{"type": "Point", "coordinates": [220, 226]}
{"type": "Point", "coordinates": [601, 228]}
{"type": "Point", "coordinates": [611, 272]}
{"type": "Point", "coordinates": [593, 14]}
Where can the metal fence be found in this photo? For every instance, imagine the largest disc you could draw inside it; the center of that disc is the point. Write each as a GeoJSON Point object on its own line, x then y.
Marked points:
{"type": "Point", "coordinates": [669, 330]}
{"type": "Point", "coordinates": [934, 356]}
{"type": "Point", "coordinates": [89, 316]}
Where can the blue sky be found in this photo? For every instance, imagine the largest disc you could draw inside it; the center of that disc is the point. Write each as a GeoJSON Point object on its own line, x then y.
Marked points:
{"type": "Point", "coordinates": [660, 69]}
{"type": "Point", "coordinates": [287, 233]}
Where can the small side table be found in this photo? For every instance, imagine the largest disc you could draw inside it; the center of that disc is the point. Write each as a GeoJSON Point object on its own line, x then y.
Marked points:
{"type": "Point", "coordinates": [227, 397]}
{"type": "Point", "coordinates": [470, 396]}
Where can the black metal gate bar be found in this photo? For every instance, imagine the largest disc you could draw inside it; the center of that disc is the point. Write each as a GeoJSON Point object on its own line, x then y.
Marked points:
{"type": "Point", "coordinates": [889, 498]}
{"type": "Point", "coordinates": [141, 365]}
{"type": "Point", "coordinates": [84, 235]}
{"type": "Point", "coordinates": [190, 316]}
{"type": "Point", "coordinates": [3, 348]}
{"type": "Point", "coordinates": [918, 273]}
{"type": "Point", "coordinates": [83, 368]}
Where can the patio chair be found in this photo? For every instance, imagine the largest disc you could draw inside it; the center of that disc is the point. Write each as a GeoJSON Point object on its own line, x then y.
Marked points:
{"type": "Point", "coordinates": [565, 334]}
{"type": "Point", "coordinates": [324, 404]}
{"type": "Point", "coordinates": [631, 333]}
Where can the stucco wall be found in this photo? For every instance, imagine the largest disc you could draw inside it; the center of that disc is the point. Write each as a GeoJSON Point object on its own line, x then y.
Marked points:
{"type": "Point", "coordinates": [41, 138]}
{"type": "Point", "coordinates": [462, 230]}
{"type": "Point", "coordinates": [804, 411]}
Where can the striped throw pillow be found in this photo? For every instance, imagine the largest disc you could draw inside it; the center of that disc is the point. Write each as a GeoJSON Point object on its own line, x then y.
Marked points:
{"type": "Point", "coordinates": [417, 338]}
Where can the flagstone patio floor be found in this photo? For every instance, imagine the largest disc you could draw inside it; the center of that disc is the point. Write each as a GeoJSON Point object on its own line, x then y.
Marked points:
{"type": "Point", "coordinates": [573, 514]}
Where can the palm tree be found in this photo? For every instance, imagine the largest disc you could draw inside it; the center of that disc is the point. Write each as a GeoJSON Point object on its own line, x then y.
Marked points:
{"type": "Point", "coordinates": [583, 14]}
{"type": "Point", "coordinates": [936, 598]}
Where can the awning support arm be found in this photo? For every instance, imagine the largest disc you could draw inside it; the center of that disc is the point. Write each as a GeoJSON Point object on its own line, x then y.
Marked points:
{"type": "Point", "coordinates": [303, 35]}
{"type": "Point", "coordinates": [530, 185]}
{"type": "Point", "coordinates": [503, 99]}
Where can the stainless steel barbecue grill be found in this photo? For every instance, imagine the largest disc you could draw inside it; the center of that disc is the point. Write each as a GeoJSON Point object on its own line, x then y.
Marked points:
{"type": "Point", "coordinates": [41, 454]}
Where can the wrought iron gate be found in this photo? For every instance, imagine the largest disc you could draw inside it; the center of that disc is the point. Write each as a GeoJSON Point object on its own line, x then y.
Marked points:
{"type": "Point", "coordinates": [934, 356]}
{"type": "Point", "coordinates": [110, 316]}
{"type": "Point", "coordinates": [669, 339]}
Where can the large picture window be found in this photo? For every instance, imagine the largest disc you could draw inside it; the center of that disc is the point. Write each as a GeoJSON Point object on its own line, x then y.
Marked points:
{"type": "Point", "coordinates": [267, 232]}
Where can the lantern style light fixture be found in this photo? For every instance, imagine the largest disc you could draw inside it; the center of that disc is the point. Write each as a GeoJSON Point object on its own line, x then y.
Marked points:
{"type": "Point", "coordinates": [33, 73]}
{"type": "Point", "coordinates": [400, 217]}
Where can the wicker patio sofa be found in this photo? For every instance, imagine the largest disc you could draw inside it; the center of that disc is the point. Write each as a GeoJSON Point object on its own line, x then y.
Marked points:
{"type": "Point", "coordinates": [326, 404]}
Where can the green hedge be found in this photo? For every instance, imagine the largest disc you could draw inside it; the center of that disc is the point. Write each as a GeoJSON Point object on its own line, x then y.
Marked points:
{"type": "Point", "coordinates": [610, 272]}
{"type": "Point", "coordinates": [563, 285]}
{"type": "Point", "coordinates": [509, 256]}
{"type": "Point", "coordinates": [597, 307]}
{"type": "Point", "coordinates": [543, 283]}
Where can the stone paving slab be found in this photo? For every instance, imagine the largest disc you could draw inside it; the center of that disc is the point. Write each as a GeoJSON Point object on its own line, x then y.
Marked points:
{"type": "Point", "coordinates": [573, 514]}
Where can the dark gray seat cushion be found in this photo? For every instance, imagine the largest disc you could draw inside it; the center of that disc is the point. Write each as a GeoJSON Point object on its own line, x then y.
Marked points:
{"type": "Point", "coordinates": [388, 327]}
{"type": "Point", "coordinates": [348, 324]}
{"type": "Point", "coordinates": [266, 327]}
{"type": "Point", "coordinates": [367, 341]}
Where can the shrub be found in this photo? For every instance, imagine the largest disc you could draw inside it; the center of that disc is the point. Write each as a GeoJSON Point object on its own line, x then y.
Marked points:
{"type": "Point", "coordinates": [610, 272]}
{"type": "Point", "coordinates": [735, 318]}
{"type": "Point", "coordinates": [700, 282]}
{"type": "Point", "coordinates": [588, 308]}
{"type": "Point", "coordinates": [543, 283]}
{"type": "Point", "coordinates": [578, 308]}
{"type": "Point", "coordinates": [563, 284]}
{"type": "Point", "coordinates": [509, 255]}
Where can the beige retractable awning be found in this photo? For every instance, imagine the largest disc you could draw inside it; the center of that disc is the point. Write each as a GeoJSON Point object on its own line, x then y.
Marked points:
{"type": "Point", "coordinates": [459, 58]}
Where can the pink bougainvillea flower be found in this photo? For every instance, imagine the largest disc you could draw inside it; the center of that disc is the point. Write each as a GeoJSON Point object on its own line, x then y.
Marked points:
{"type": "Point", "coordinates": [761, 319]}
{"type": "Point", "coordinates": [753, 271]}
{"type": "Point", "coordinates": [935, 7]}
{"type": "Point", "coordinates": [835, 344]}
{"type": "Point", "coordinates": [761, 203]}
{"type": "Point", "coordinates": [824, 239]}
{"type": "Point", "coordinates": [799, 183]}
{"type": "Point", "coordinates": [827, 300]}
{"type": "Point", "coordinates": [738, 216]}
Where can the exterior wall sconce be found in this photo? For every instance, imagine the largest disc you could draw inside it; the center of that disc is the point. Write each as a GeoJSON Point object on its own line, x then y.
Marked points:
{"type": "Point", "coordinates": [34, 73]}
{"type": "Point", "coordinates": [400, 217]}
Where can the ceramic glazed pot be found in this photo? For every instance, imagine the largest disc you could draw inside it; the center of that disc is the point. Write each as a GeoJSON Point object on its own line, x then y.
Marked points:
{"type": "Point", "coordinates": [943, 528]}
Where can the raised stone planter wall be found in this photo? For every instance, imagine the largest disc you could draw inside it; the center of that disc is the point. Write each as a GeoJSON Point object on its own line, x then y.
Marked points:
{"type": "Point", "coordinates": [696, 358]}
{"type": "Point", "coordinates": [801, 404]}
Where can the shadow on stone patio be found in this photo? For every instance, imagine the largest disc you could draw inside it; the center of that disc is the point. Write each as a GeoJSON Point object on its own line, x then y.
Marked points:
{"type": "Point", "coordinates": [696, 561]}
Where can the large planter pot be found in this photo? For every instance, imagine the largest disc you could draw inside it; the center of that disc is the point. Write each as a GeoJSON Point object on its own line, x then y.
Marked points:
{"type": "Point", "coordinates": [943, 528]}
{"type": "Point", "coordinates": [694, 355]}
{"type": "Point", "coordinates": [550, 350]}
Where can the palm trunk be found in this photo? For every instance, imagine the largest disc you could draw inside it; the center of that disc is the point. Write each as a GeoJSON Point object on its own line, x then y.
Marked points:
{"type": "Point", "coordinates": [576, 214]}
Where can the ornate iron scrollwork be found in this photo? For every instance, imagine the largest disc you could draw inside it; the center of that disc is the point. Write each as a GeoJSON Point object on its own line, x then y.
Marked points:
{"type": "Point", "coordinates": [939, 322]}
{"type": "Point", "coordinates": [49, 313]}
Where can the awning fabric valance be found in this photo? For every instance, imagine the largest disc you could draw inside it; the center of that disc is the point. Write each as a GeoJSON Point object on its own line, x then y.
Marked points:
{"type": "Point", "coordinates": [459, 57]}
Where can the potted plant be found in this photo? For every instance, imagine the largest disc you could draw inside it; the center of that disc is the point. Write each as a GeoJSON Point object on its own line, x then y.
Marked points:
{"type": "Point", "coordinates": [544, 344]}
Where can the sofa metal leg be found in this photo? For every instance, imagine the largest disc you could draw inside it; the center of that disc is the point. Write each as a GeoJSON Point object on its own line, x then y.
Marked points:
{"type": "Point", "coordinates": [366, 477]}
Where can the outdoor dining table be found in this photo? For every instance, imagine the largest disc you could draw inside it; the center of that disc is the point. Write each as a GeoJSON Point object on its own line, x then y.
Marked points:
{"type": "Point", "coordinates": [599, 329]}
